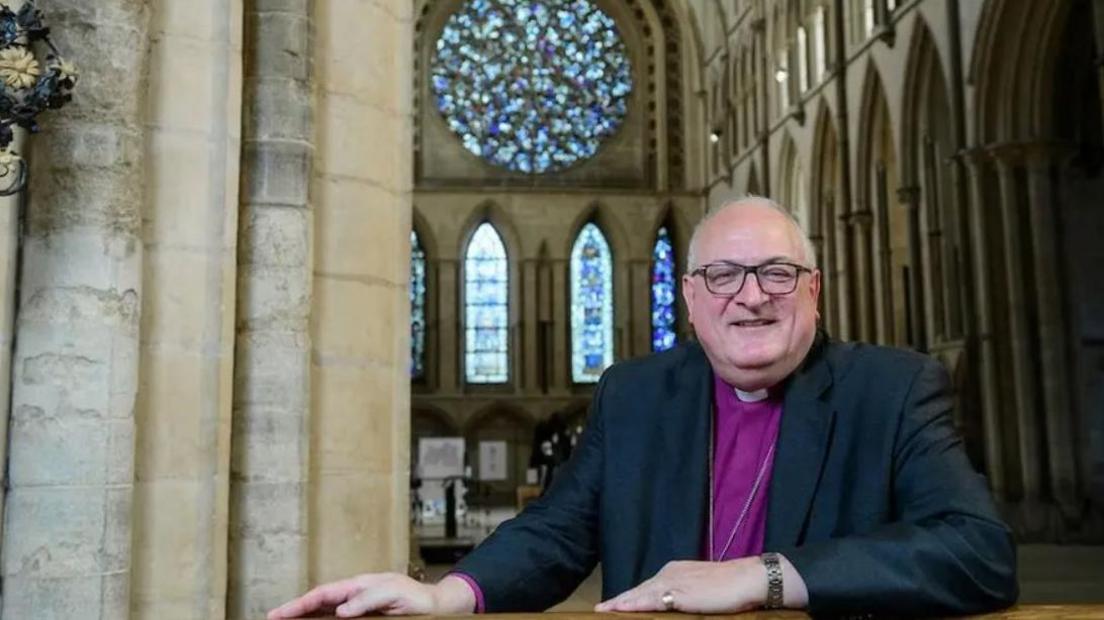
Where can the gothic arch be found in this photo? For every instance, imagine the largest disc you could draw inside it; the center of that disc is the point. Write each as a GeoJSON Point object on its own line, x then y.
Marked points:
{"type": "Point", "coordinates": [793, 182]}
{"type": "Point", "coordinates": [830, 235]}
{"type": "Point", "coordinates": [1013, 60]}
{"type": "Point", "coordinates": [1036, 178]}
{"type": "Point", "coordinates": [614, 233]}
{"type": "Point", "coordinates": [490, 211]}
{"type": "Point", "coordinates": [936, 243]}
{"type": "Point", "coordinates": [882, 255]}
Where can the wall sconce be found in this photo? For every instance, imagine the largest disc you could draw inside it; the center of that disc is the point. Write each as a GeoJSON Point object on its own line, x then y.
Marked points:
{"type": "Point", "coordinates": [781, 74]}
{"type": "Point", "coordinates": [28, 86]}
{"type": "Point", "coordinates": [715, 136]}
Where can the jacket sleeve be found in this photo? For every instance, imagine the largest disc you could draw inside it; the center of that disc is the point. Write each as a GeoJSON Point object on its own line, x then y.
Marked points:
{"type": "Point", "coordinates": [946, 552]}
{"type": "Point", "coordinates": [538, 558]}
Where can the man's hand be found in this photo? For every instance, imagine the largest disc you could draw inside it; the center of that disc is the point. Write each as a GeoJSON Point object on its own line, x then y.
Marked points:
{"type": "Point", "coordinates": [389, 594]}
{"type": "Point", "coordinates": [709, 587]}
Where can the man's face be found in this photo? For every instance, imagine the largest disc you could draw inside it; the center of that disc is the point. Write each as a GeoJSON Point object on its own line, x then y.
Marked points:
{"type": "Point", "coordinates": [752, 339]}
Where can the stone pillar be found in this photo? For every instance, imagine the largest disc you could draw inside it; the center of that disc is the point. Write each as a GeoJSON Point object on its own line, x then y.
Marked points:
{"type": "Point", "coordinates": [67, 526]}
{"type": "Point", "coordinates": [640, 308]}
{"type": "Point", "coordinates": [860, 222]}
{"type": "Point", "coordinates": [182, 456]}
{"type": "Point", "coordinates": [976, 165]}
{"type": "Point", "coordinates": [1023, 361]}
{"type": "Point", "coordinates": [1049, 299]}
{"type": "Point", "coordinates": [529, 323]}
{"type": "Point", "coordinates": [360, 313]}
{"type": "Point", "coordinates": [544, 320]}
{"type": "Point", "coordinates": [448, 282]}
{"type": "Point", "coordinates": [270, 434]}
{"type": "Point", "coordinates": [827, 284]}
{"type": "Point", "coordinates": [844, 277]}
{"type": "Point", "coordinates": [10, 218]}
{"type": "Point", "coordinates": [910, 197]}
{"type": "Point", "coordinates": [561, 327]}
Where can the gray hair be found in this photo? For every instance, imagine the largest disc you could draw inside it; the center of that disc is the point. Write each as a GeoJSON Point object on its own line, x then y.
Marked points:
{"type": "Point", "coordinates": [806, 243]}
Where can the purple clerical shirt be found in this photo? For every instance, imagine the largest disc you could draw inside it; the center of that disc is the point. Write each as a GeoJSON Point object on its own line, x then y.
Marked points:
{"type": "Point", "coordinates": [745, 430]}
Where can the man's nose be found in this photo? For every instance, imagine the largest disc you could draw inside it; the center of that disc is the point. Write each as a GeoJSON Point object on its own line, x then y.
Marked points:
{"type": "Point", "coordinates": [751, 294]}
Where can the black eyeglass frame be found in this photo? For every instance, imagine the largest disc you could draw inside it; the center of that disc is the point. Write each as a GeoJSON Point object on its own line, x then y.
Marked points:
{"type": "Point", "coordinates": [748, 270]}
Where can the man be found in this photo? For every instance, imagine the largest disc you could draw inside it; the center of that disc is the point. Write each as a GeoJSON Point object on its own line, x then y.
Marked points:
{"type": "Point", "coordinates": [762, 465]}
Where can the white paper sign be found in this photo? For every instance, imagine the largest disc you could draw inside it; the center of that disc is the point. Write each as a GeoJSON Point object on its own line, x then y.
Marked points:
{"type": "Point", "coordinates": [492, 460]}
{"type": "Point", "coordinates": [440, 457]}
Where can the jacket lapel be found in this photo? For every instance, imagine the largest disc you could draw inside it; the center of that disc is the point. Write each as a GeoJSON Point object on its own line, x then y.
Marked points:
{"type": "Point", "coordinates": [686, 429]}
{"type": "Point", "coordinates": [803, 438]}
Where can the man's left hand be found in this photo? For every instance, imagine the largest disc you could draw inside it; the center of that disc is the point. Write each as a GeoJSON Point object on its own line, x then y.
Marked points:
{"type": "Point", "coordinates": [708, 588]}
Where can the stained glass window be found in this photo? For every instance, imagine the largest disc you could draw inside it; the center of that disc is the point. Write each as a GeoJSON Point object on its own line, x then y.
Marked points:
{"type": "Point", "coordinates": [486, 317]}
{"type": "Point", "coordinates": [591, 305]}
{"type": "Point", "coordinates": [663, 292]}
{"type": "Point", "coordinates": [417, 307]}
{"type": "Point", "coordinates": [531, 85]}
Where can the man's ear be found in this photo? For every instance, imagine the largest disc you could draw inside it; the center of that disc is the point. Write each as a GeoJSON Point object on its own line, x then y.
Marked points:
{"type": "Point", "coordinates": [688, 292]}
{"type": "Point", "coordinates": [814, 287]}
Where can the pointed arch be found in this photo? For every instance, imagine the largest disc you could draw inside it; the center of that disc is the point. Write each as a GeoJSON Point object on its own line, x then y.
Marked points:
{"type": "Point", "coordinates": [884, 264]}
{"type": "Point", "coordinates": [591, 282]}
{"type": "Point", "coordinates": [663, 286]}
{"type": "Point", "coordinates": [927, 147]}
{"type": "Point", "coordinates": [752, 181]}
{"type": "Point", "coordinates": [792, 180]}
{"type": "Point", "coordinates": [486, 307]}
{"type": "Point", "coordinates": [1013, 66]}
{"type": "Point", "coordinates": [830, 235]}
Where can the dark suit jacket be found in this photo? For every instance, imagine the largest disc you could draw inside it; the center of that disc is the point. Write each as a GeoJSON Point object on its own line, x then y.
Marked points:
{"type": "Point", "coordinates": [872, 497]}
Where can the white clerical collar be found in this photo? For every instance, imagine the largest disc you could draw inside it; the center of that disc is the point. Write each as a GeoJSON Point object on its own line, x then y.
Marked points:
{"type": "Point", "coordinates": [751, 397]}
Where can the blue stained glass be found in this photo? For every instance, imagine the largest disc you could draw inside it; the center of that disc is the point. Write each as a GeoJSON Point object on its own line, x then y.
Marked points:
{"type": "Point", "coordinates": [504, 69]}
{"type": "Point", "coordinates": [486, 307]}
{"type": "Point", "coordinates": [417, 307]}
{"type": "Point", "coordinates": [663, 292]}
{"type": "Point", "coordinates": [591, 305]}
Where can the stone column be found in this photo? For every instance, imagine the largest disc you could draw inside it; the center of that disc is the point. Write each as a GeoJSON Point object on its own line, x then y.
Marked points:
{"type": "Point", "coordinates": [860, 222]}
{"type": "Point", "coordinates": [561, 327]}
{"type": "Point", "coordinates": [640, 307]}
{"type": "Point", "coordinates": [182, 454]}
{"type": "Point", "coordinates": [270, 434]}
{"type": "Point", "coordinates": [529, 323]}
{"type": "Point", "coordinates": [544, 320]}
{"type": "Point", "coordinates": [1023, 361]}
{"type": "Point", "coordinates": [910, 197]}
{"type": "Point", "coordinates": [1049, 302]}
{"type": "Point", "coordinates": [448, 276]}
{"type": "Point", "coordinates": [360, 315]}
{"type": "Point", "coordinates": [827, 283]}
{"type": "Point", "coordinates": [67, 526]}
{"type": "Point", "coordinates": [844, 277]}
{"type": "Point", "coordinates": [10, 218]}
{"type": "Point", "coordinates": [976, 165]}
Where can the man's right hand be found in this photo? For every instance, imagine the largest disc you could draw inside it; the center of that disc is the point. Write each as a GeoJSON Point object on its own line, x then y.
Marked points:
{"type": "Point", "coordinates": [389, 594]}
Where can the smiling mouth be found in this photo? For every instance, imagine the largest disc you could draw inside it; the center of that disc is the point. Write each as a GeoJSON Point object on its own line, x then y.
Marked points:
{"type": "Point", "coordinates": [753, 323]}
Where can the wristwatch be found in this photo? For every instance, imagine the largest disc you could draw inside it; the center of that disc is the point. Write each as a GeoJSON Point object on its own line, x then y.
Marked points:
{"type": "Point", "coordinates": [773, 563]}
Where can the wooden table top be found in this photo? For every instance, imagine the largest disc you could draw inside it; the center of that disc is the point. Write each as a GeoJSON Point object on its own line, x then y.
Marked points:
{"type": "Point", "coordinates": [1019, 612]}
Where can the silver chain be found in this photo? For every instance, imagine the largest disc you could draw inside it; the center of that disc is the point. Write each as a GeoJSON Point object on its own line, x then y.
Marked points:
{"type": "Point", "coordinates": [743, 513]}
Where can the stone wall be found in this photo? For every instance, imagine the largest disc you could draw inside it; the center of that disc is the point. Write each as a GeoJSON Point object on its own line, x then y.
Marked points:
{"type": "Point", "coordinates": [147, 428]}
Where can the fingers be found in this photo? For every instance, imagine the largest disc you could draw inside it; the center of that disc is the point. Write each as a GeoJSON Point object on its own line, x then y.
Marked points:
{"type": "Point", "coordinates": [378, 600]}
{"type": "Point", "coordinates": [645, 597]}
{"type": "Point", "coordinates": [321, 597]}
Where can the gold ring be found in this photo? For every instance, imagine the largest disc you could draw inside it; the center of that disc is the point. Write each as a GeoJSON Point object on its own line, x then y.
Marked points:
{"type": "Point", "coordinates": [668, 600]}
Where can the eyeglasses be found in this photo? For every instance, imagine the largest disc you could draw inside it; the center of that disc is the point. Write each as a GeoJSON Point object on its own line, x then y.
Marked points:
{"type": "Point", "coordinates": [727, 278]}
